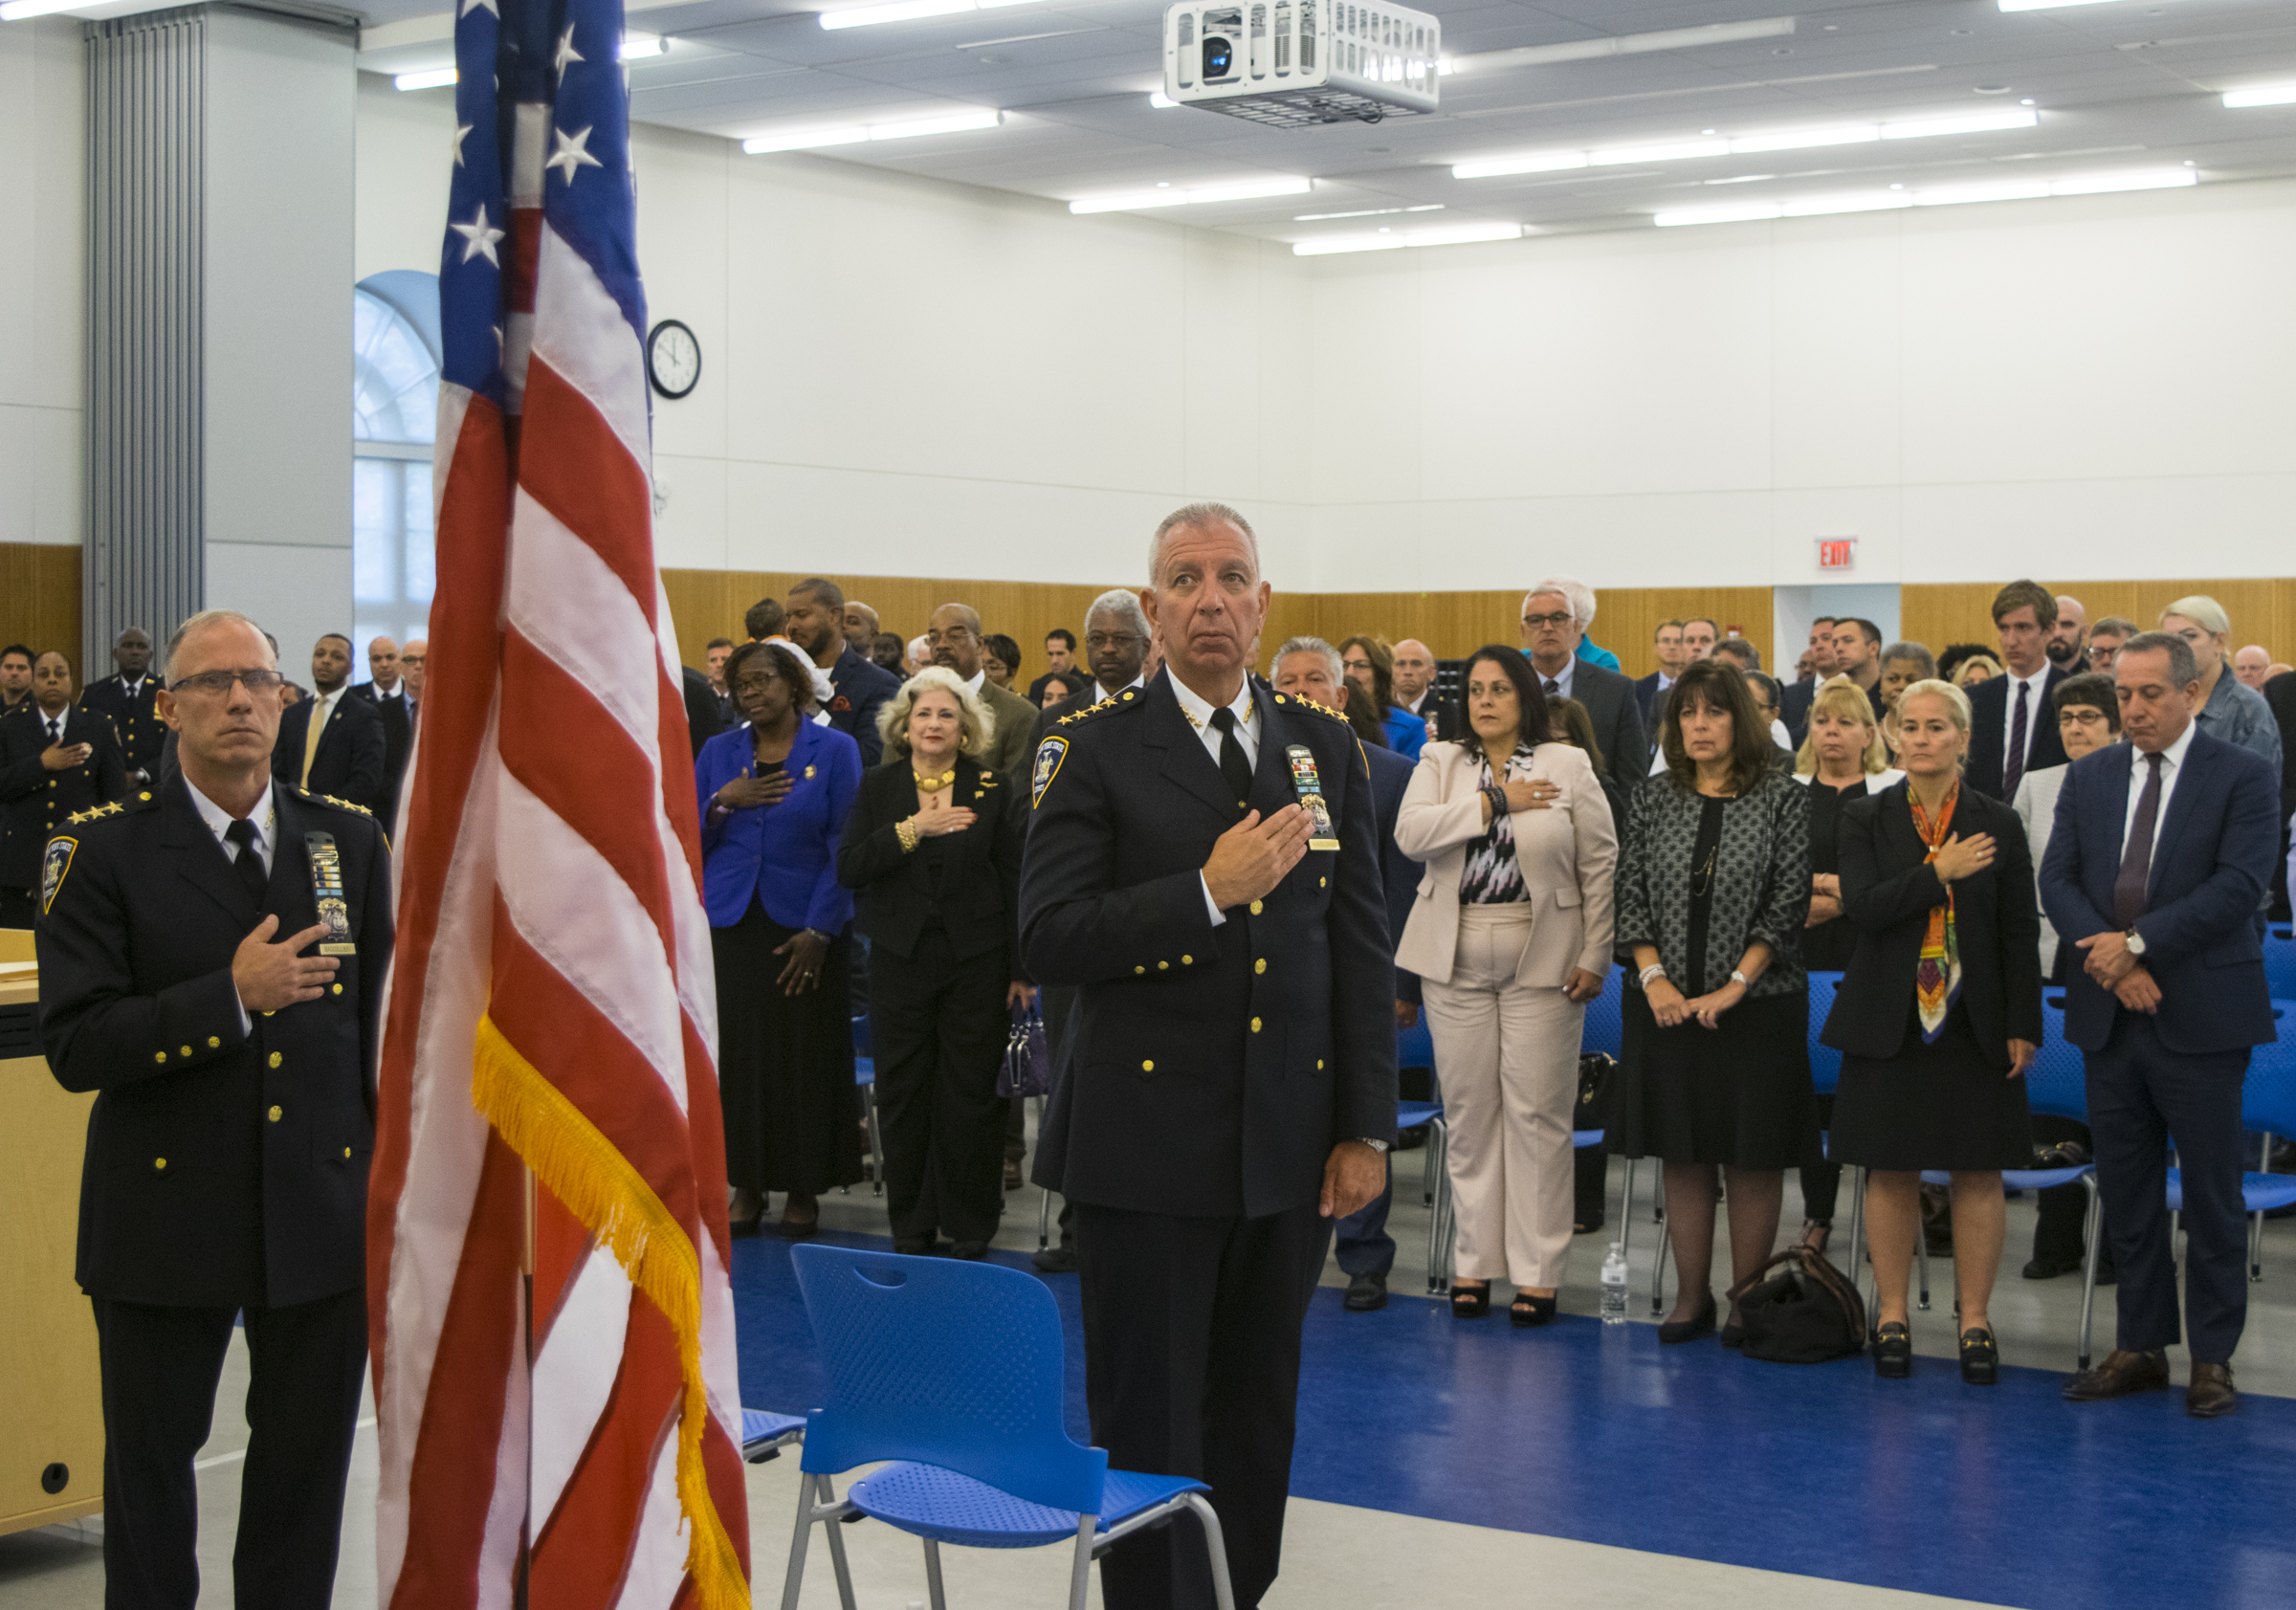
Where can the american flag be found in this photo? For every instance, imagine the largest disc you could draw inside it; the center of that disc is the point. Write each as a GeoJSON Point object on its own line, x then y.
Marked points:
{"type": "Point", "coordinates": [549, 1097]}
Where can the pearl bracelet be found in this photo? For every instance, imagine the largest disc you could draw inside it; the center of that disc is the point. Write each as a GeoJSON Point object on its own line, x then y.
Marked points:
{"type": "Point", "coordinates": [1656, 970]}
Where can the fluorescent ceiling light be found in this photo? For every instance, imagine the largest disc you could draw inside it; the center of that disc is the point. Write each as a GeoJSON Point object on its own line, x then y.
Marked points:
{"type": "Point", "coordinates": [855, 134]}
{"type": "Point", "coordinates": [907, 11]}
{"type": "Point", "coordinates": [17, 10]}
{"type": "Point", "coordinates": [1745, 144]}
{"type": "Point", "coordinates": [1161, 102]}
{"type": "Point", "coordinates": [2046, 5]}
{"type": "Point", "coordinates": [1625, 44]}
{"type": "Point", "coordinates": [2260, 94]}
{"type": "Point", "coordinates": [643, 44]}
{"type": "Point", "coordinates": [1934, 196]}
{"type": "Point", "coordinates": [1364, 212]}
{"type": "Point", "coordinates": [436, 79]}
{"type": "Point", "coordinates": [1390, 240]}
{"type": "Point", "coordinates": [1141, 201]}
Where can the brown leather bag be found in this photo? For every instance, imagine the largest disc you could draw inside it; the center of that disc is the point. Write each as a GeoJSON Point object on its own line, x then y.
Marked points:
{"type": "Point", "coordinates": [1806, 1312]}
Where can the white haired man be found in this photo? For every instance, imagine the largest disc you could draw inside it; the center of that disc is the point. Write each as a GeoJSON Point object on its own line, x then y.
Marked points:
{"type": "Point", "coordinates": [1555, 615]}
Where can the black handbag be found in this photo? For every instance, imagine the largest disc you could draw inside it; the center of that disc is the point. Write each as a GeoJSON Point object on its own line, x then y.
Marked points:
{"type": "Point", "coordinates": [1027, 1066]}
{"type": "Point", "coordinates": [1806, 1313]}
{"type": "Point", "coordinates": [1593, 1111]}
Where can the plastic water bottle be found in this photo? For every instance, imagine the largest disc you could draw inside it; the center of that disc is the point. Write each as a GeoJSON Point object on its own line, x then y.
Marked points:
{"type": "Point", "coordinates": [1614, 1286]}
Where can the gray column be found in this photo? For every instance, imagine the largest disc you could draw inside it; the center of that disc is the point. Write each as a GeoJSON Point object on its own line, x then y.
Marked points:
{"type": "Point", "coordinates": [219, 305]}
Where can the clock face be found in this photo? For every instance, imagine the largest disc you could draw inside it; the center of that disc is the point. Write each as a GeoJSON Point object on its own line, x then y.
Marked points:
{"type": "Point", "coordinates": [673, 359]}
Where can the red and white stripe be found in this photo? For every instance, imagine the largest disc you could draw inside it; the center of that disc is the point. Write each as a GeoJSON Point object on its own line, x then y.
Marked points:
{"type": "Point", "coordinates": [548, 879]}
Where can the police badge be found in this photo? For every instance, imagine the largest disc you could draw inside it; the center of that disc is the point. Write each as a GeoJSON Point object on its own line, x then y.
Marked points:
{"type": "Point", "coordinates": [53, 865]}
{"type": "Point", "coordinates": [326, 889]}
{"type": "Point", "coordinates": [1310, 788]}
{"type": "Point", "coordinates": [1048, 755]}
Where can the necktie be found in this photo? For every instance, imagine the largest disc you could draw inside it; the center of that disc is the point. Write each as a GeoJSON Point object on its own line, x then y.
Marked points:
{"type": "Point", "coordinates": [1554, 687]}
{"type": "Point", "coordinates": [2013, 769]}
{"type": "Point", "coordinates": [2136, 855]}
{"type": "Point", "coordinates": [56, 732]}
{"type": "Point", "coordinates": [247, 863]}
{"type": "Point", "coordinates": [1233, 766]}
{"type": "Point", "coordinates": [310, 735]}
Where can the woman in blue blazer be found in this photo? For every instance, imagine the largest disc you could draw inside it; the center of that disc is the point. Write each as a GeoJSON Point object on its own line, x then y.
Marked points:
{"type": "Point", "coordinates": [775, 793]}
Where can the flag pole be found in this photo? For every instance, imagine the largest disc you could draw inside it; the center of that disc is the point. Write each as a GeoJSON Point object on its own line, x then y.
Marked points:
{"type": "Point", "coordinates": [527, 1237]}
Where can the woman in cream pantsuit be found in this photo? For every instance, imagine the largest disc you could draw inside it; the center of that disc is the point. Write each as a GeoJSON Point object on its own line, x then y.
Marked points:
{"type": "Point", "coordinates": [1510, 936]}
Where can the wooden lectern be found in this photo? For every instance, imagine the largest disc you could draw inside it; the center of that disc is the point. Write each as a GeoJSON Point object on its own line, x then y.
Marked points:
{"type": "Point", "coordinates": [51, 1404]}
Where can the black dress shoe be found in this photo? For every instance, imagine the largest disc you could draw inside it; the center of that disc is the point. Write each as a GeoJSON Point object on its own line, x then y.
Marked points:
{"type": "Point", "coordinates": [748, 1225]}
{"type": "Point", "coordinates": [1980, 1357]}
{"type": "Point", "coordinates": [1734, 1337]}
{"type": "Point", "coordinates": [913, 1246]}
{"type": "Point", "coordinates": [971, 1252]}
{"type": "Point", "coordinates": [1893, 1352]}
{"type": "Point", "coordinates": [1055, 1260]}
{"type": "Point", "coordinates": [2120, 1375]}
{"type": "Point", "coordinates": [2049, 1269]}
{"type": "Point", "coordinates": [1676, 1332]}
{"type": "Point", "coordinates": [2211, 1392]}
{"type": "Point", "coordinates": [1528, 1312]}
{"type": "Point", "coordinates": [1365, 1292]}
{"type": "Point", "coordinates": [1013, 1174]}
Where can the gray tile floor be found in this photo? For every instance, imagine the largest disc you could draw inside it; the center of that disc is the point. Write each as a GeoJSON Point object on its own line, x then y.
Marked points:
{"type": "Point", "coordinates": [1333, 1556]}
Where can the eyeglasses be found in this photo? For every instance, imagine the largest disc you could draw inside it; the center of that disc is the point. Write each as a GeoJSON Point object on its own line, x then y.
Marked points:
{"type": "Point", "coordinates": [1111, 639]}
{"type": "Point", "coordinates": [755, 682]}
{"type": "Point", "coordinates": [955, 634]}
{"type": "Point", "coordinates": [220, 681]}
{"type": "Point", "coordinates": [1560, 618]}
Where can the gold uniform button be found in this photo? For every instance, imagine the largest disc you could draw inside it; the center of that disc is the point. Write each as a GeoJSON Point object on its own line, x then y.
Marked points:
{"type": "Point", "coordinates": [184, 1051]}
{"type": "Point", "coordinates": [158, 1163]}
{"type": "Point", "coordinates": [1319, 1063]}
{"type": "Point", "coordinates": [1255, 1026]}
{"type": "Point", "coordinates": [277, 1059]}
{"type": "Point", "coordinates": [1187, 962]}
{"type": "Point", "coordinates": [276, 1113]}
{"type": "Point", "coordinates": [337, 988]}
{"type": "Point", "coordinates": [145, 796]}
{"type": "Point", "coordinates": [271, 1014]}
{"type": "Point", "coordinates": [1261, 965]}
{"type": "Point", "coordinates": [1255, 908]}
{"type": "Point", "coordinates": [1279, 698]}
{"type": "Point", "coordinates": [1323, 883]}
{"type": "Point", "coordinates": [347, 1153]}
{"type": "Point", "coordinates": [159, 1056]}
{"type": "Point", "coordinates": [1139, 969]}
{"type": "Point", "coordinates": [214, 1043]}
{"type": "Point", "coordinates": [1163, 966]}
{"type": "Point", "coordinates": [1149, 1066]}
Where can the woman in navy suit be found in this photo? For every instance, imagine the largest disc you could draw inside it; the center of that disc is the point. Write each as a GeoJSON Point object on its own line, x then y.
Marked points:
{"type": "Point", "coordinates": [775, 794]}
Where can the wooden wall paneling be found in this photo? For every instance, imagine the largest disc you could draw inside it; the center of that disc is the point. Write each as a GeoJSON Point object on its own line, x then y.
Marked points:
{"type": "Point", "coordinates": [2262, 608]}
{"type": "Point", "coordinates": [39, 601]}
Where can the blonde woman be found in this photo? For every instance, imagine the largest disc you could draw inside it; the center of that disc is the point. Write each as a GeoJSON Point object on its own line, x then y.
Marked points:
{"type": "Point", "coordinates": [1937, 1018]}
{"type": "Point", "coordinates": [1511, 937]}
{"type": "Point", "coordinates": [1842, 758]}
{"type": "Point", "coordinates": [932, 854]}
{"type": "Point", "coordinates": [1977, 669]}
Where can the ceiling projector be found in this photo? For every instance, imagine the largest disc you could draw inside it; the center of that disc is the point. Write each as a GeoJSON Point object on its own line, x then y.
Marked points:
{"type": "Point", "coordinates": [1289, 63]}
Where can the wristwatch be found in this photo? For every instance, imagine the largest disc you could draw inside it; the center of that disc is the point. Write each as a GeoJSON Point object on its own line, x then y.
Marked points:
{"type": "Point", "coordinates": [2136, 941]}
{"type": "Point", "coordinates": [1378, 1146]}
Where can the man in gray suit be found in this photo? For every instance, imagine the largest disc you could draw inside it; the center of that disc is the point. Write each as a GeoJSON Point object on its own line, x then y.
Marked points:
{"type": "Point", "coordinates": [956, 640]}
{"type": "Point", "coordinates": [1555, 615]}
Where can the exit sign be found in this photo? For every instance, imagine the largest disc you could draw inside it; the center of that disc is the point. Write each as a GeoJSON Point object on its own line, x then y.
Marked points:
{"type": "Point", "coordinates": [1837, 553]}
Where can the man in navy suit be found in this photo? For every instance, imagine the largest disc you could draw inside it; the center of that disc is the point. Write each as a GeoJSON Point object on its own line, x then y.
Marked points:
{"type": "Point", "coordinates": [331, 745]}
{"type": "Point", "coordinates": [815, 618]}
{"type": "Point", "coordinates": [2012, 722]}
{"type": "Point", "coordinates": [1310, 668]}
{"type": "Point", "coordinates": [2154, 868]}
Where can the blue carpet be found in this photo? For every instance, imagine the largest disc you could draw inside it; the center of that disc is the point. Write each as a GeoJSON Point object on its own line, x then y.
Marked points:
{"type": "Point", "coordinates": [2006, 1495]}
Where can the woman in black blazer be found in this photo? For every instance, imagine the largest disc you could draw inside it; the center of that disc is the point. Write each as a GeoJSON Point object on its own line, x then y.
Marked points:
{"type": "Point", "coordinates": [1937, 1016]}
{"type": "Point", "coordinates": [933, 854]}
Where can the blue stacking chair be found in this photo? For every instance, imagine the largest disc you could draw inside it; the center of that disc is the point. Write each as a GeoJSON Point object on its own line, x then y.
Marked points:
{"type": "Point", "coordinates": [1606, 1028]}
{"type": "Point", "coordinates": [765, 1434]}
{"type": "Point", "coordinates": [2279, 964]}
{"type": "Point", "coordinates": [2267, 1104]}
{"type": "Point", "coordinates": [953, 1370]}
{"type": "Point", "coordinates": [1415, 1047]}
{"type": "Point", "coordinates": [865, 1076]}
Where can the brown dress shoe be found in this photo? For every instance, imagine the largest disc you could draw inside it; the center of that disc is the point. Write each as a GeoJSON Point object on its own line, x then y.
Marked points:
{"type": "Point", "coordinates": [2211, 1393]}
{"type": "Point", "coordinates": [2119, 1376]}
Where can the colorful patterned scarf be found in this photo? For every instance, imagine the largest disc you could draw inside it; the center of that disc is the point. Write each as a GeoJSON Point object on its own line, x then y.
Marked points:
{"type": "Point", "coordinates": [1937, 980]}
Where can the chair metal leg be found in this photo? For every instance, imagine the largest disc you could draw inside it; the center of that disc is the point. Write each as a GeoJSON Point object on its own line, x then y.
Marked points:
{"type": "Point", "coordinates": [876, 1141]}
{"type": "Point", "coordinates": [1215, 1546]}
{"type": "Point", "coordinates": [1857, 1259]}
{"type": "Point", "coordinates": [933, 1588]}
{"type": "Point", "coordinates": [838, 1559]}
{"type": "Point", "coordinates": [795, 1576]}
{"type": "Point", "coordinates": [2092, 1235]}
{"type": "Point", "coordinates": [1658, 1267]}
{"type": "Point", "coordinates": [1921, 1255]}
{"type": "Point", "coordinates": [1626, 1211]}
{"type": "Point", "coordinates": [1080, 1573]}
{"type": "Point", "coordinates": [2256, 1246]}
{"type": "Point", "coordinates": [1439, 1197]}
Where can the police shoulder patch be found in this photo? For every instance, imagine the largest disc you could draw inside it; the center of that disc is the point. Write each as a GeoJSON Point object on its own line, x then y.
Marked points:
{"type": "Point", "coordinates": [1048, 755]}
{"type": "Point", "coordinates": [53, 865]}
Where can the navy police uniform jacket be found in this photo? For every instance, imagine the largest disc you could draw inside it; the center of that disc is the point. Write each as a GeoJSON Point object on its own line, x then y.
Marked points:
{"type": "Point", "coordinates": [226, 1166]}
{"type": "Point", "coordinates": [35, 802]}
{"type": "Point", "coordinates": [1209, 1069]}
{"type": "Point", "coordinates": [135, 716]}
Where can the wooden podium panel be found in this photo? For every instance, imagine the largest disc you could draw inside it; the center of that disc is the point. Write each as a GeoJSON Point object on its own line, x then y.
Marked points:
{"type": "Point", "coordinates": [51, 1407]}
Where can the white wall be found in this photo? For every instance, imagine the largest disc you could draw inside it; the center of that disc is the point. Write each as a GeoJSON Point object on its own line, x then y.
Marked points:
{"type": "Point", "coordinates": [2092, 387]}
{"type": "Point", "coordinates": [906, 377]}
{"type": "Point", "coordinates": [43, 302]}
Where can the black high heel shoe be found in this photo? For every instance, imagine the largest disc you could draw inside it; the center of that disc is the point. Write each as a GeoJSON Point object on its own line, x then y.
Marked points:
{"type": "Point", "coordinates": [1470, 1302]}
{"type": "Point", "coordinates": [1893, 1352]}
{"type": "Point", "coordinates": [1528, 1312]}
{"type": "Point", "coordinates": [1980, 1357]}
{"type": "Point", "coordinates": [1676, 1332]}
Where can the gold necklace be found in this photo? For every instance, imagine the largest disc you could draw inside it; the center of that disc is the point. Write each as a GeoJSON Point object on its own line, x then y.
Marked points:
{"type": "Point", "coordinates": [933, 785]}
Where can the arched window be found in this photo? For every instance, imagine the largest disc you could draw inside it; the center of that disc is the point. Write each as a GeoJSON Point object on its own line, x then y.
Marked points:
{"type": "Point", "coordinates": [394, 417]}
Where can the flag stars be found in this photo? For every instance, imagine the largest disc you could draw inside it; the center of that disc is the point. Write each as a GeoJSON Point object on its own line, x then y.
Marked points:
{"type": "Point", "coordinates": [572, 152]}
{"type": "Point", "coordinates": [479, 236]}
{"type": "Point", "coordinates": [566, 54]}
{"type": "Point", "coordinates": [469, 6]}
{"type": "Point", "coordinates": [461, 134]}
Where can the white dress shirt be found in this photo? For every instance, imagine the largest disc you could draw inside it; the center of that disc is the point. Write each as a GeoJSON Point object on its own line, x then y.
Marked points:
{"type": "Point", "coordinates": [265, 816]}
{"type": "Point", "coordinates": [1141, 681]}
{"type": "Point", "coordinates": [2037, 711]}
{"type": "Point", "coordinates": [1561, 679]}
{"type": "Point", "coordinates": [1198, 712]}
{"type": "Point", "coordinates": [2171, 764]}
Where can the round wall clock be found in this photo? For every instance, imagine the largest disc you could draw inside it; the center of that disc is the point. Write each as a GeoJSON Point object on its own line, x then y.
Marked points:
{"type": "Point", "coordinates": [673, 359]}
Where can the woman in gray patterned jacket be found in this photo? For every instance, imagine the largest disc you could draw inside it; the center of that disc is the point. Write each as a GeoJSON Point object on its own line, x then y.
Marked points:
{"type": "Point", "coordinates": [1712, 890]}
